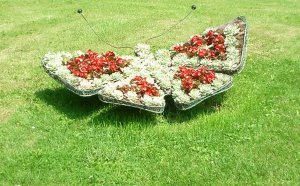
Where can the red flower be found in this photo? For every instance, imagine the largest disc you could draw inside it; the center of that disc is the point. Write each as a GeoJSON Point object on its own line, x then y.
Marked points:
{"type": "Point", "coordinates": [190, 77]}
{"type": "Point", "coordinates": [220, 47]}
{"type": "Point", "coordinates": [113, 67]}
{"type": "Point", "coordinates": [192, 50]}
{"type": "Point", "coordinates": [195, 46]}
{"type": "Point", "coordinates": [219, 39]}
{"type": "Point", "coordinates": [110, 55]}
{"type": "Point", "coordinates": [120, 61]}
{"type": "Point", "coordinates": [142, 87]}
{"type": "Point", "coordinates": [187, 83]}
{"type": "Point", "coordinates": [178, 48]}
{"type": "Point", "coordinates": [210, 33]}
{"type": "Point", "coordinates": [197, 40]}
{"type": "Point", "coordinates": [90, 64]}
{"type": "Point", "coordinates": [202, 53]}
{"type": "Point", "coordinates": [212, 54]}
{"type": "Point", "coordinates": [196, 74]}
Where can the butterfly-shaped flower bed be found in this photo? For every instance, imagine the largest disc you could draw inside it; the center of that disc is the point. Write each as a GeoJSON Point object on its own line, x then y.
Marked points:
{"type": "Point", "coordinates": [186, 72]}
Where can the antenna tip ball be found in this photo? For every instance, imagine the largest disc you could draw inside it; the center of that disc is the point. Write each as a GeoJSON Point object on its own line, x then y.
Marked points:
{"type": "Point", "coordinates": [79, 11]}
{"type": "Point", "coordinates": [194, 7]}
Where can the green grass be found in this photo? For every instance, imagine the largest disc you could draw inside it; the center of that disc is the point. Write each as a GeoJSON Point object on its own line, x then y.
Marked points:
{"type": "Point", "coordinates": [49, 136]}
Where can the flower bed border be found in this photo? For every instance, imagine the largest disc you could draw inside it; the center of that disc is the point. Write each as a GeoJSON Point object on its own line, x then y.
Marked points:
{"type": "Point", "coordinates": [193, 103]}
{"type": "Point", "coordinates": [83, 93]}
{"type": "Point", "coordinates": [158, 109]}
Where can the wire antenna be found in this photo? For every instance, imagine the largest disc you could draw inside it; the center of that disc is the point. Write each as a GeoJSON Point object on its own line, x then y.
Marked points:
{"type": "Point", "coordinates": [193, 7]}
{"type": "Point", "coordinates": [79, 11]}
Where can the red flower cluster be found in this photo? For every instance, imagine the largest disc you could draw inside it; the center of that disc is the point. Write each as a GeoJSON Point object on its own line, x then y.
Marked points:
{"type": "Point", "coordinates": [141, 87]}
{"type": "Point", "coordinates": [196, 46]}
{"type": "Point", "coordinates": [191, 78]}
{"type": "Point", "coordinates": [90, 64]}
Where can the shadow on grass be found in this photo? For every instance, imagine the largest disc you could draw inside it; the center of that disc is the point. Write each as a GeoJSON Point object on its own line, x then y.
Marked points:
{"type": "Point", "coordinates": [123, 116]}
{"type": "Point", "coordinates": [76, 107]}
{"type": "Point", "coordinates": [209, 106]}
{"type": "Point", "coordinates": [69, 103]}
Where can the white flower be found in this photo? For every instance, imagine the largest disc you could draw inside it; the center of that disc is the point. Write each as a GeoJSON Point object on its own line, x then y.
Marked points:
{"type": "Point", "coordinates": [176, 84]}
{"type": "Point", "coordinates": [117, 94]}
{"type": "Point", "coordinates": [217, 63]}
{"type": "Point", "coordinates": [180, 59]}
{"type": "Point", "coordinates": [108, 89]}
{"type": "Point", "coordinates": [194, 61]}
{"type": "Point", "coordinates": [230, 64]}
{"type": "Point", "coordinates": [144, 73]}
{"type": "Point", "coordinates": [153, 67]}
{"type": "Point", "coordinates": [232, 57]}
{"type": "Point", "coordinates": [78, 53]}
{"type": "Point", "coordinates": [85, 84]}
{"type": "Point", "coordinates": [232, 30]}
{"type": "Point", "coordinates": [132, 96]}
{"type": "Point", "coordinates": [73, 80]}
{"type": "Point", "coordinates": [149, 79]}
{"type": "Point", "coordinates": [54, 60]}
{"type": "Point", "coordinates": [232, 51]}
{"type": "Point", "coordinates": [128, 58]}
{"type": "Point", "coordinates": [142, 50]}
{"type": "Point", "coordinates": [127, 71]}
{"type": "Point", "coordinates": [205, 61]}
{"type": "Point", "coordinates": [165, 84]}
{"type": "Point", "coordinates": [122, 82]}
{"type": "Point", "coordinates": [62, 71]}
{"type": "Point", "coordinates": [153, 101]}
{"type": "Point", "coordinates": [182, 98]}
{"type": "Point", "coordinates": [147, 100]}
{"type": "Point", "coordinates": [205, 89]}
{"type": "Point", "coordinates": [223, 77]}
{"type": "Point", "coordinates": [65, 55]}
{"type": "Point", "coordinates": [157, 101]}
{"type": "Point", "coordinates": [195, 93]}
{"type": "Point", "coordinates": [105, 78]}
{"type": "Point", "coordinates": [97, 82]}
{"type": "Point", "coordinates": [116, 76]}
{"type": "Point", "coordinates": [163, 55]}
{"type": "Point", "coordinates": [148, 61]}
{"type": "Point", "coordinates": [231, 41]}
{"type": "Point", "coordinates": [217, 83]}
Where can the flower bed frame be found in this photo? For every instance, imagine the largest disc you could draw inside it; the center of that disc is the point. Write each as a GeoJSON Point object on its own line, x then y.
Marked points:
{"type": "Point", "coordinates": [154, 109]}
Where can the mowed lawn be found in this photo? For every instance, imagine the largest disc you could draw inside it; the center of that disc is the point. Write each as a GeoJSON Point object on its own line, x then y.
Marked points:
{"type": "Point", "coordinates": [249, 135]}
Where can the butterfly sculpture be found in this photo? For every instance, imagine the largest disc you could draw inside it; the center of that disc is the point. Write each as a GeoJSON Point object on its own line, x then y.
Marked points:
{"type": "Point", "coordinates": [190, 72]}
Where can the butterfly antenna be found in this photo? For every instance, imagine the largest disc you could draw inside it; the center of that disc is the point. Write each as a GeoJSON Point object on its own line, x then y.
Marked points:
{"type": "Point", "coordinates": [79, 11]}
{"type": "Point", "coordinates": [193, 7]}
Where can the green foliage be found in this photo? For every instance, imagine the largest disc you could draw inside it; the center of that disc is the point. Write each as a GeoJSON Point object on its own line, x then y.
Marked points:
{"type": "Point", "coordinates": [49, 136]}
